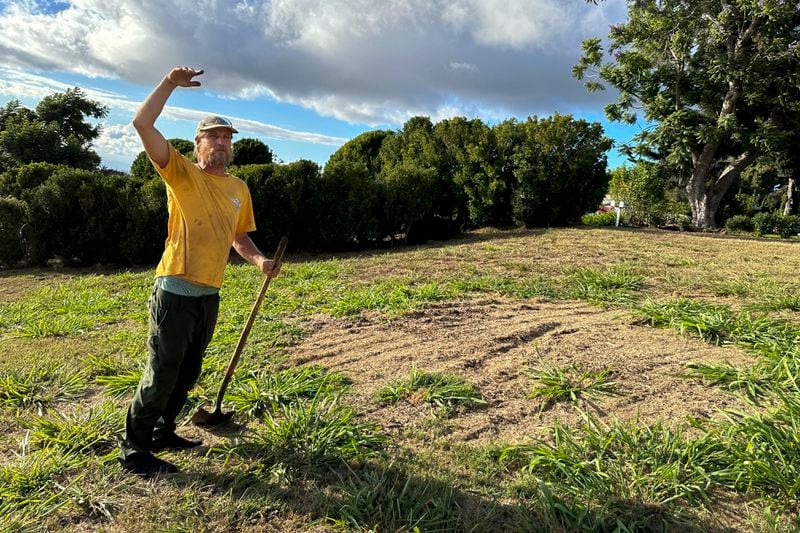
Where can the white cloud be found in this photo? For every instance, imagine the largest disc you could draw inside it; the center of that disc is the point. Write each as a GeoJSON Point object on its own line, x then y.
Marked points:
{"type": "Point", "coordinates": [18, 84]}
{"type": "Point", "coordinates": [118, 140]}
{"type": "Point", "coordinates": [361, 61]}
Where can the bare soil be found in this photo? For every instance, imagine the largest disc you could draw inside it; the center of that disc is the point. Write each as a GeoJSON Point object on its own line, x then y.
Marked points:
{"type": "Point", "coordinates": [491, 342]}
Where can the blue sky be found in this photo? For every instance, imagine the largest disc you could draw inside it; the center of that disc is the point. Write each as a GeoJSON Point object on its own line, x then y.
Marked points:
{"type": "Point", "coordinates": [305, 76]}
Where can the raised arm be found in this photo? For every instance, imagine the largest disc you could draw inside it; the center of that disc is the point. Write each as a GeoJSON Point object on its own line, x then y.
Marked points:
{"type": "Point", "coordinates": [155, 144]}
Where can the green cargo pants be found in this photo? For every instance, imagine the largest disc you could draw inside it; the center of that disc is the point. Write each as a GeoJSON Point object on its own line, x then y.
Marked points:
{"type": "Point", "coordinates": [180, 330]}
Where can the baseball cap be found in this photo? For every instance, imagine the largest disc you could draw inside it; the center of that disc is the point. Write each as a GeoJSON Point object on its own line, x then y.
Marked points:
{"type": "Point", "coordinates": [213, 121]}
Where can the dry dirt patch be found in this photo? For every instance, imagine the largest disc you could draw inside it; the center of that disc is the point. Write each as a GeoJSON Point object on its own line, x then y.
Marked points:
{"type": "Point", "coordinates": [490, 342]}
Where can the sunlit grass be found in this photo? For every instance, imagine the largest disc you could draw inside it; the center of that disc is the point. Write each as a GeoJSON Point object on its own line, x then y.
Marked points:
{"type": "Point", "coordinates": [443, 391]}
{"type": "Point", "coordinates": [310, 435]}
{"type": "Point", "coordinates": [301, 444]}
{"type": "Point", "coordinates": [645, 477]}
{"type": "Point", "coordinates": [572, 383]}
{"type": "Point", "coordinates": [39, 387]}
{"type": "Point", "coordinates": [616, 284]}
{"type": "Point", "coordinates": [259, 393]}
{"type": "Point", "coordinates": [87, 430]}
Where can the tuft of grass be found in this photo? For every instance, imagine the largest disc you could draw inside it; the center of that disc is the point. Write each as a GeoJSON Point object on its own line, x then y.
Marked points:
{"type": "Point", "coordinates": [39, 387]}
{"type": "Point", "coordinates": [621, 477]}
{"type": "Point", "coordinates": [259, 393]}
{"type": "Point", "coordinates": [710, 322]}
{"type": "Point", "coordinates": [440, 390]}
{"type": "Point", "coordinates": [121, 384]}
{"type": "Point", "coordinates": [762, 450]}
{"type": "Point", "coordinates": [570, 384]}
{"type": "Point", "coordinates": [87, 430]}
{"type": "Point", "coordinates": [28, 488]}
{"type": "Point", "coordinates": [311, 435]}
{"type": "Point", "coordinates": [391, 500]}
{"type": "Point", "coordinates": [614, 284]}
{"type": "Point", "coordinates": [726, 376]}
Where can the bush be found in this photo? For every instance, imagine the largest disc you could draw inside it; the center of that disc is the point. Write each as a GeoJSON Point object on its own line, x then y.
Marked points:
{"type": "Point", "coordinates": [643, 189]}
{"type": "Point", "coordinates": [26, 177]}
{"type": "Point", "coordinates": [787, 225]}
{"type": "Point", "coordinates": [560, 169]}
{"type": "Point", "coordinates": [764, 223]}
{"type": "Point", "coordinates": [146, 221]}
{"type": "Point", "coordinates": [80, 216]}
{"type": "Point", "coordinates": [281, 201]}
{"type": "Point", "coordinates": [13, 217]}
{"type": "Point", "coordinates": [348, 206]}
{"type": "Point", "coordinates": [739, 223]}
{"type": "Point", "coordinates": [607, 218]}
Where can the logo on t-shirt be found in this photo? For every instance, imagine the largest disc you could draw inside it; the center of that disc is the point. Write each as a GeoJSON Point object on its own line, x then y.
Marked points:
{"type": "Point", "coordinates": [237, 203]}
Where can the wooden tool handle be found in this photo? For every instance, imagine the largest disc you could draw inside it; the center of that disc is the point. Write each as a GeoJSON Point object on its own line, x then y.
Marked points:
{"type": "Point", "coordinates": [246, 331]}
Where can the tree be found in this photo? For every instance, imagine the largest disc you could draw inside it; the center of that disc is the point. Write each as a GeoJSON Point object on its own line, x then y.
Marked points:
{"type": "Point", "coordinates": [716, 79]}
{"type": "Point", "coordinates": [349, 208]}
{"type": "Point", "coordinates": [412, 187]}
{"type": "Point", "coordinates": [468, 151]}
{"type": "Point", "coordinates": [560, 170]}
{"type": "Point", "coordinates": [56, 132]}
{"type": "Point", "coordinates": [250, 151]}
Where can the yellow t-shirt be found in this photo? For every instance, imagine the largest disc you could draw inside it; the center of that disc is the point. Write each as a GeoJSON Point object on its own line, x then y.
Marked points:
{"type": "Point", "coordinates": [206, 212]}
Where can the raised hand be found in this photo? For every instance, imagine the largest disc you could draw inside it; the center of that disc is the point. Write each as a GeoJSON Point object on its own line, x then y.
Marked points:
{"type": "Point", "coordinates": [182, 76]}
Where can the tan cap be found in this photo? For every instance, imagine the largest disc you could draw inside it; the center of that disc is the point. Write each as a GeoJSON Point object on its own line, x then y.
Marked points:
{"type": "Point", "coordinates": [213, 121]}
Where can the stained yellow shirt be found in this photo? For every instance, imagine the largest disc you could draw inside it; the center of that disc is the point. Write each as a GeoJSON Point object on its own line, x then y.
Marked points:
{"type": "Point", "coordinates": [206, 212]}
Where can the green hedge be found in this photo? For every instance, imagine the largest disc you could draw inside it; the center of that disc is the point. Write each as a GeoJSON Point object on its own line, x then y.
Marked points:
{"type": "Point", "coordinates": [13, 217]}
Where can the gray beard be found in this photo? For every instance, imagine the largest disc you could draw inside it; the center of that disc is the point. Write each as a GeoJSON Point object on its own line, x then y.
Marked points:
{"type": "Point", "coordinates": [217, 158]}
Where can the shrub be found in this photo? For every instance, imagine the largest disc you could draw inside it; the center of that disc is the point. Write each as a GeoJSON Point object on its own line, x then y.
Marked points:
{"type": "Point", "coordinates": [739, 223]}
{"type": "Point", "coordinates": [560, 169]}
{"type": "Point", "coordinates": [606, 218]}
{"type": "Point", "coordinates": [764, 223]}
{"type": "Point", "coordinates": [79, 216]}
{"type": "Point", "coordinates": [787, 225]}
{"type": "Point", "coordinates": [13, 217]}
{"type": "Point", "coordinates": [281, 200]}
{"type": "Point", "coordinates": [26, 177]}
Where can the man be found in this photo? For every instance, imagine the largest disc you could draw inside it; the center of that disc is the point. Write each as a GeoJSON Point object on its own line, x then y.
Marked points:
{"type": "Point", "coordinates": [209, 210]}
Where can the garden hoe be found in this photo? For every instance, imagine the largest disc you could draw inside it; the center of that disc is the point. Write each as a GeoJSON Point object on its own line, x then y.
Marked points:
{"type": "Point", "coordinates": [217, 417]}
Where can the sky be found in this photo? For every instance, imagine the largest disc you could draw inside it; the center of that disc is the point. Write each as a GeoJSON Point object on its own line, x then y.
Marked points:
{"type": "Point", "coordinates": [306, 76]}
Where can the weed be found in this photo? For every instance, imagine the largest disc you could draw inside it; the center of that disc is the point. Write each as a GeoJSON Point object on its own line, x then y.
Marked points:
{"type": "Point", "coordinates": [88, 430]}
{"type": "Point", "coordinates": [570, 384]}
{"type": "Point", "coordinates": [122, 383]}
{"type": "Point", "coordinates": [615, 284]}
{"type": "Point", "coordinates": [268, 391]}
{"type": "Point", "coordinates": [391, 500]}
{"type": "Point", "coordinates": [311, 434]}
{"type": "Point", "coordinates": [39, 387]}
{"type": "Point", "coordinates": [626, 474]}
{"type": "Point", "coordinates": [28, 488]}
{"type": "Point", "coordinates": [443, 391]}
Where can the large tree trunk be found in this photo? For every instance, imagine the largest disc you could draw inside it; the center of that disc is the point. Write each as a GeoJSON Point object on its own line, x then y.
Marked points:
{"type": "Point", "coordinates": [705, 196]}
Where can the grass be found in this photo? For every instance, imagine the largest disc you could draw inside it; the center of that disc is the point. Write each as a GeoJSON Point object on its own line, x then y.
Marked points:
{"type": "Point", "coordinates": [442, 391]}
{"type": "Point", "coordinates": [306, 459]}
{"type": "Point", "coordinates": [570, 384]}
{"type": "Point", "coordinates": [614, 284]}
{"type": "Point", "coordinates": [39, 387]}
{"type": "Point", "coordinates": [310, 435]}
{"type": "Point", "coordinates": [260, 393]}
{"type": "Point", "coordinates": [646, 477]}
